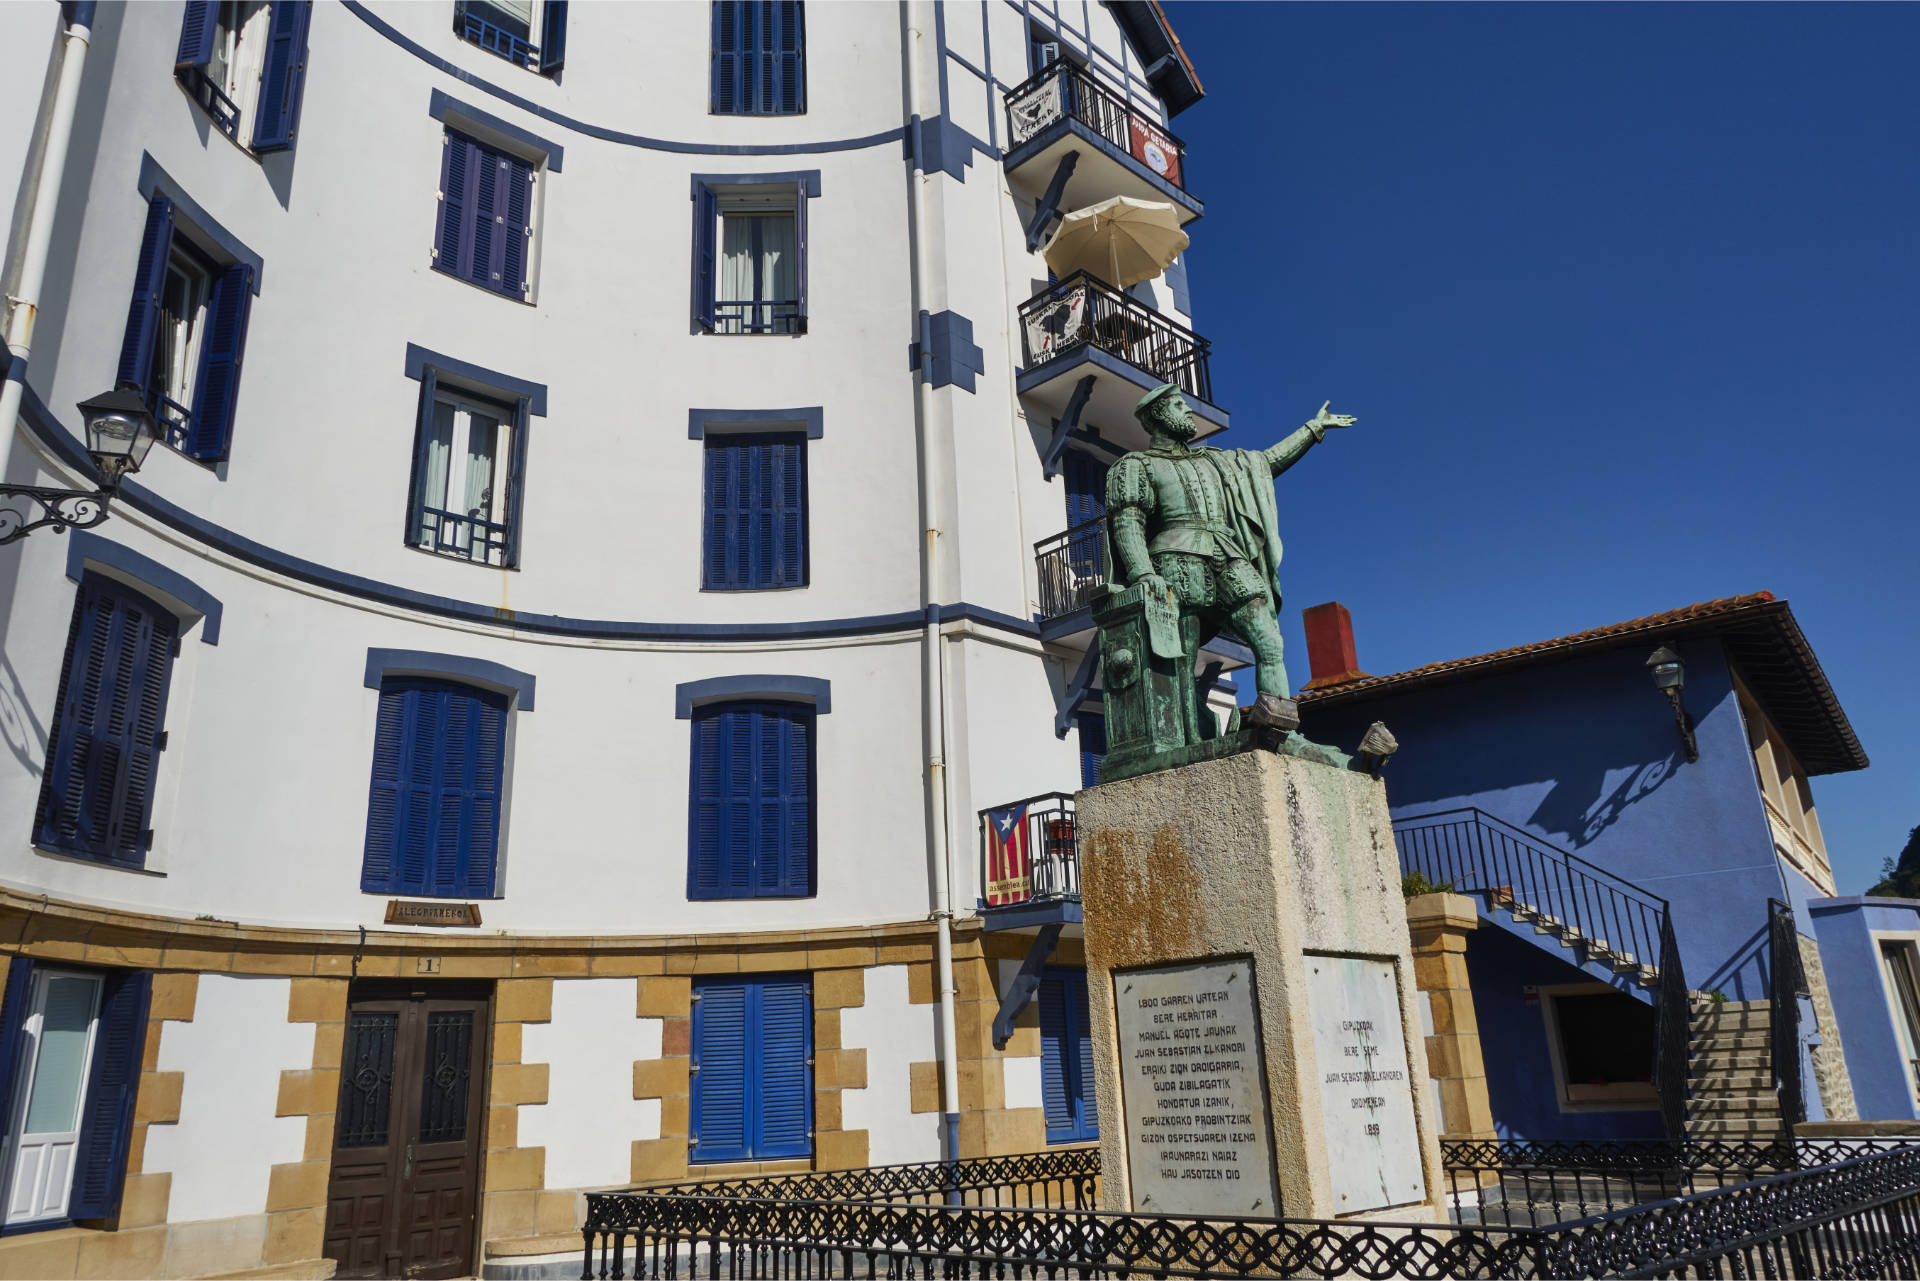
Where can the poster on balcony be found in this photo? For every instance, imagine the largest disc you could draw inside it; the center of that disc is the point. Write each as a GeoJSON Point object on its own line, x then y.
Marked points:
{"type": "Point", "coordinates": [1040, 108]}
{"type": "Point", "coordinates": [1057, 325]}
{"type": "Point", "coordinates": [1366, 1092]}
{"type": "Point", "coordinates": [1154, 149]}
{"type": "Point", "coordinates": [1009, 857]}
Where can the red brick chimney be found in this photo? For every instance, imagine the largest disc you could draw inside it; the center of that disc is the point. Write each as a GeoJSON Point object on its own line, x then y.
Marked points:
{"type": "Point", "coordinates": [1330, 652]}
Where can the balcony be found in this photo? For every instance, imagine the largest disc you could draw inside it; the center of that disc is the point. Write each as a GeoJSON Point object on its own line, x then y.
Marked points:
{"type": "Point", "coordinates": [1117, 150]}
{"type": "Point", "coordinates": [1071, 567]}
{"type": "Point", "coordinates": [1089, 351]}
{"type": "Point", "coordinates": [1029, 870]}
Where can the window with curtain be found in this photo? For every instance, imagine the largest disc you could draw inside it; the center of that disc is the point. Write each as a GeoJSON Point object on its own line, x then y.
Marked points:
{"type": "Point", "coordinates": [103, 750]}
{"type": "Point", "coordinates": [463, 487]}
{"type": "Point", "coordinates": [750, 826]}
{"type": "Point", "coordinates": [752, 1070]}
{"type": "Point", "coordinates": [508, 28]}
{"type": "Point", "coordinates": [1066, 1057]}
{"type": "Point", "coordinates": [759, 57]}
{"type": "Point", "coordinates": [245, 63]}
{"type": "Point", "coordinates": [750, 254]}
{"type": "Point", "coordinates": [433, 811]}
{"type": "Point", "coordinates": [755, 521]}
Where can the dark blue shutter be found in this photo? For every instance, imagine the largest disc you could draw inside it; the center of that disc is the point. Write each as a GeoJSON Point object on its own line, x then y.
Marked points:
{"type": "Point", "coordinates": [516, 209]}
{"type": "Point", "coordinates": [218, 387]}
{"type": "Point", "coordinates": [422, 436]}
{"type": "Point", "coordinates": [422, 742]}
{"type": "Point", "coordinates": [800, 243]}
{"type": "Point", "coordinates": [149, 281]}
{"type": "Point", "coordinates": [785, 77]}
{"type": "Point", "coordinates": [450, 238]}
{"type": "Point", "coordinates": [732, 22]}
{"type": "Point", "coordinates": [789, 497]}
{"type": "Point", "coordinates": [722, 1074]}
{"type": "Point", "coordinates": [482, 251]}
{"type": "Point", "coordinates": [385, 799]}
{"type": "Point", "coordinates": [516, 479]}
{"type": "Point", "coordinates": [707, 812]}
{"type": "Point", "coordinates": [1086, 1100]}
{"type": "Point", "coordinates": [553, 37]}
{"type": "Point", "coordinates": [13, 1016]}
{"type": "Point", "coordinates": [785, 1044]}
{"type": "Point", "coordinates": [285, 76]}
{"type": "Point", "coordinates": [783, 808]}
{"type": "Point", "coordinates": [1056, 1097]}
{"type": "Point", "coordinates": [97, 788]}
{"type": "Point", "coordinates": [750, 822]}
{"type": "Point", "coordinates": [433, 809]}
{"type": "Point", "coordinates": [755, 528]}
{"type": "Point", "coordinates": [106, 1121]}
{"type": "Point", "coordinates": [706, 231]}
{"type": "Point", "coordinates": [196, 34]}
{"type": "Point", "coordinates": [717, 520]}
{"type": "Point", "coordinates": [1093, 745]}
{"type": "Point", "coordinates": [1086, 487]}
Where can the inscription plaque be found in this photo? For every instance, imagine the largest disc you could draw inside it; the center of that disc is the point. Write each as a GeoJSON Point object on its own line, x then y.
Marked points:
{"type": "Point", "coordinates": [1193, 1088]}
{"type": "Point", "coordinates": [1366, 1093]}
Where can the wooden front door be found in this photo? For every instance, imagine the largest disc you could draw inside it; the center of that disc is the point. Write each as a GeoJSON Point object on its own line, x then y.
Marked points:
{"type": "Point", "coordinates": [404, 1195]}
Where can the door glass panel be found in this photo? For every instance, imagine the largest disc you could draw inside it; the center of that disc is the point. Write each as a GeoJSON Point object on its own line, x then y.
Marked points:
{"type": "Point", "coordinates": [444, 1084]}
{"type": "Point", "coordinates": [54, 1105]}
{"type": "Point", "coordinates": [366, 1087]}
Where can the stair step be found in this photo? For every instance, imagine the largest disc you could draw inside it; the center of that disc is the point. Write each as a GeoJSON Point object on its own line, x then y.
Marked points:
{"type": "Point", "coordinates": [1716, 1064]}
{"type": "Point", "coordinates": [1702, 1003]}
{"type": "Point", "coordinates": [1751, 1104]}
{"type": "Point", "coordinates": [1730, 1041]}
{"type": "Point", "coordinates": [1731, 1083]}
{"type": "Point", "coordinates": [1705, 1023]}
{"type": "Point", "coordinates": [1717, 1128]}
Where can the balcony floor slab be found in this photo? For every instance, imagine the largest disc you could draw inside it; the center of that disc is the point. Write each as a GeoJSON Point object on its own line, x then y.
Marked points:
{"type": "Point", "coordinates": [1117, 387]}
{"type": "Point", "coordinates": [1103, 170]}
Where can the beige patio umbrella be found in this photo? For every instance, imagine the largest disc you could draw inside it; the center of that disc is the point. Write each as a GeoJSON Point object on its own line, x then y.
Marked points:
{"type": "Point", "coordinates": [1121, 240]}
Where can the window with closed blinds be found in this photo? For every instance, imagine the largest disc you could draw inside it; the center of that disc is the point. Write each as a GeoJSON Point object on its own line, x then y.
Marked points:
{"type": "Point", "coordinates": [1086, 478]}
{"type": "Point", "coordinates": [755, 524]}
{"type": "Point", "coordinates": [484, 233]}
{"type": "Point", "coordinates": [1066, 1057]}
{"type": "Point", "coordinates": [103, 750]}
{"type": "Point", "coordinates": [751, 821]}
{"type": "Point", "coordinates": [752, 1070]}
{"type": "Point", "coordinates": [759, 57]}
{"type": "Point", "coordinates": [433, 815]}
{"type": "Point", "coordinates": [1092, 730]}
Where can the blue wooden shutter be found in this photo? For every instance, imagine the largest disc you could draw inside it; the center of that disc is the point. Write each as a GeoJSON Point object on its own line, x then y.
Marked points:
{"type": "Point", "coordinates": [218, 387]}
{"type": "Point", "coordinates": [717, 522]}
{"type": "Point", "coordinates": [789, 456]}
{"type": "Point", "coordinates": [516, 229]}
{"type": "Point", "coordinates": [97, 787]}
{"type": "Point", "coordinates": [722, 1073]}
{"type": "Point", "coordinates": [785, 1045]}
{"type": "Point", "coordinates": [706, 231]}
{"type": "Point", "coordinates": [196, 34]}
{"type": "Point", "coordinates": [450, 238]}
{"type": "Point", "coordinates": [285, 76]}
{"type": "Point", "coordinates": [553, 36]}
{"type": "Point", "coordinates": [1056, 1039]}
{"type": "Point", "coordinates": [800, 246]}
{"type": "Point", "coordinates": [516, 479]}
{"type": "Point", "coordinates": [1086, 1114]}
{"type": "Point", "coordinates": [469, 815]}
{"type": "Point", "coordinates": [784, 850]}
{"type": "Point", "coordinates": [1086, 487]}
{"type": "Point", "coordinates": [149, 281]}
{"type": "Point", "coordinates": [387, 794]}
{"type": "Point", "coordinates": [106, 1122]}
{"type": "Point", "coordinates": [422, 437]}
{"type": "Point", "coordinates": [732, 20]}
{"type": "Point", "coordinates": [706, 816]}
{"type": "Point", "coordinates": [1093, 745]}
{"type": "Point", "coordinates": [484, 244]}
{"type": "Point", "coordinates": [13, 1016]}
{"type": "Point", "coordinates": [784, 86]}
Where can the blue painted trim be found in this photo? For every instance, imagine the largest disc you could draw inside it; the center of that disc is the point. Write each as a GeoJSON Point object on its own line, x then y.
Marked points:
{"type": "Point", "coordinates": [812, 418]}
{"type": "Point", "coordinates": [1024, 916]}
{"type": "Point", "coordinates": [721, 181]}
{"type": "Point", "coordinates": [1065, 426]}
{"type": "Point", "coordinates": [1087, 354]}
{"type": "Point", "coordinates": [433, 60]}
{"type": "Point", "coordinates": [1072, 125]}
{"type": "Point", "coordinates": [1176, 278]}
{"type": "Point", "coordinates": [83, 547]}
{"type": "Point", "coordinates": [798, 689]}
{"type": "Point", "coordinates": [440, 106]}
{"type": "Point", "coordinates": [497, 677]}
{"type": "Point", "coordinates": [155, 179]}
{"type": "Point", "coordinates": [1077, 687]}
{"type": "Point", "coordinates": [418, 358]}
{"type": "Point", "coordinates": [941, 146]}
{"type": "Point", "coordinates": [946, 354]}
{"type": "Point", "coordinates": [79, 13]}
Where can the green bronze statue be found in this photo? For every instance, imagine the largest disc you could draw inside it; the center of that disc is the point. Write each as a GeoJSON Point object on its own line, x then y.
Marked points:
{"type": "Point", "coordinates": [1194, 549]}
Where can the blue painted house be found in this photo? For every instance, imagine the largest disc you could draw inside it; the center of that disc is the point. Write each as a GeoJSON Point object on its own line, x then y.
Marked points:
{"type": "Point", "coordinates": [1629, 807]}
{"type": "Point", "coordinates": [1876, 943]}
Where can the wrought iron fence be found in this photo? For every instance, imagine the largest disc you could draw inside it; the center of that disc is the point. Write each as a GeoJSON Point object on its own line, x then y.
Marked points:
{"type": "Point", "coordinates": [1787, 982]}
{"type": "Point", "coordinates": [1083, 311]}
{"type": "Point", "coordinates": [1071, 567]}
{"type": "Point", "coordinates": [767, 317]}
{"type": "Point", "coordinates": [1068, 1179]}
{"type": "Point", "coordinates": [1672, 1033]}
{"type": "Point", "coordinates": [1027, 851]}
{"type": "Point", "coordinates": [1063, 91]}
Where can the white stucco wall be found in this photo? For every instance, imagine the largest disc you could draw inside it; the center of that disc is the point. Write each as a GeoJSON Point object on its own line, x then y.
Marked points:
{"type": "Point", "coordinates": [228, 1139]}
{"type": "Point", "coordinates": [894, 1032]}
{"type": "Point", "coordinates": [1022, 1071]}
{"type": "Point", "coordinates": [590, 1119]}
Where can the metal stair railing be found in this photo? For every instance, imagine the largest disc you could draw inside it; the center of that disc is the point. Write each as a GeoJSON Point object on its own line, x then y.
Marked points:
{"type": "Point", "coordinates": [1592, 912]}
{"type": "Point", "coordinates": [1786, 983]}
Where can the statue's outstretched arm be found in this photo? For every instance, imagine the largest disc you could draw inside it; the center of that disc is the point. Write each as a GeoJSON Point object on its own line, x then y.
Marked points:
{"type": "Point", "coordinates": [1294, 447]}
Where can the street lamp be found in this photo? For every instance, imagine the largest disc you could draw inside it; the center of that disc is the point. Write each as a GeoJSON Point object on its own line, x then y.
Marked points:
{"type": "Point", "coordinates": [120, 431]}
{"type": "Point", "coordinates": [1670, 677]}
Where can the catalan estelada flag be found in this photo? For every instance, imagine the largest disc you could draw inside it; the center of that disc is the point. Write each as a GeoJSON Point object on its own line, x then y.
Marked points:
{"type": "Point", "coordinates": [1009, 857]}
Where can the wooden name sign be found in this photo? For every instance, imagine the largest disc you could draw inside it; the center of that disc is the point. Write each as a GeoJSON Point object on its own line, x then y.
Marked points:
{"type": "Point", "coordinates": [408, 912]}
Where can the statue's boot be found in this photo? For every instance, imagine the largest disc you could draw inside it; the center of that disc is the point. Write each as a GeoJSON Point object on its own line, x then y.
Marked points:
{"type": "Point", "coordinates": [1270, 711]}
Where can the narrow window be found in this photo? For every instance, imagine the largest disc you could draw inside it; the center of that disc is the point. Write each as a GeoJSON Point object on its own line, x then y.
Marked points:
{"type": "Point", "coordinates": [463, 494]}
{"type": "Point", "coordinates": [244, 62]}
{"type": "Point", "coordinates": [507, 28]}
{"type": "Point", "coordinates": [71, 1043]}
{"type": "Point", "coordinates": [751, 825]}
{"type": "Point", "coordinates": [439, 767]}
{"type": "Point", "coordinates": [759, 57]}
{"type": "Point", "coordinates": [1066, 1058]}
{"type": "Point", "coordinates": [756, 512]}
{"type": "Point", "coordinates": [96, 793]}
{"type": "Point", "coordinates": [484, 231]}
{"type": "Point", "coordinates": [750, 258]}
{"type": "Point", "coordinates": [1086, 478]}
{"type": "Point", "coordinates": [752, 1070]}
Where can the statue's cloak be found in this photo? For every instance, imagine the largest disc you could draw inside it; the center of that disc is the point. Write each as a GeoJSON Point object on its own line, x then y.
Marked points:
{"type": "Point", "coordinates": [1247, 481]}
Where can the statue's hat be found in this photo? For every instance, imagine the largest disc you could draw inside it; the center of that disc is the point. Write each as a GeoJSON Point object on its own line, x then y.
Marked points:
{"type": "Point", "coordinates": [1144, 408]}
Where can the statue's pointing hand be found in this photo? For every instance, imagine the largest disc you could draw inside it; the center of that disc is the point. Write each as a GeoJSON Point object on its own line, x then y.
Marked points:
{"type": "Point", "coordinates": [1324, 420]}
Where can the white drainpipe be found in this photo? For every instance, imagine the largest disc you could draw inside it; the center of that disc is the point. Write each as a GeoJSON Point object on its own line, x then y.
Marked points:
{"type": "Point", "coordinates": [39, 231]}
{"type": "Point", "coordinates": [930, 420]}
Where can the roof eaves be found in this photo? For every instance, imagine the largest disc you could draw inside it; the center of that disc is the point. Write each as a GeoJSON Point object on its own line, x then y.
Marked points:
{"type": "Point", "coordinates": [1168, 69]}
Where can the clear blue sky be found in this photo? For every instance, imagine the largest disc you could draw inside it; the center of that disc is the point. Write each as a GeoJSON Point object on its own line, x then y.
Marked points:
{"type": "Point", "coordinates": [1627, 298]}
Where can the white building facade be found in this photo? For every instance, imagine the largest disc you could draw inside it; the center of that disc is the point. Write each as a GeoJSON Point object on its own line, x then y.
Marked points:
{"type": "Point", "coordinates": [526, 727]}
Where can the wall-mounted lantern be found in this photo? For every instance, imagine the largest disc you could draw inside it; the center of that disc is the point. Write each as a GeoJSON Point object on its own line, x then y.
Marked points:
{"type": "Point", "coordinates": [1670, 677]}
{"type": "Point", "coordinates": [120, 431]}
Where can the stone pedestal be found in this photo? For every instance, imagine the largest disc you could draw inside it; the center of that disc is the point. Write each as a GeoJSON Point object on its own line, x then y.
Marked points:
{"type": "Point", "coordinates": [1256, 1027]}
{"type": "Point", "coordinates": [1439, 925]}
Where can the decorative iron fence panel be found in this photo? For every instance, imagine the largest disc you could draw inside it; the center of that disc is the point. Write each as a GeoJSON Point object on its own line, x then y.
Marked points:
{"type": "Point", "coordinates": [1062, 90]}
{"type": "Point", "coordinates": [1071, 567]}
{"type": "Point", "coordinates": [1083, 311]}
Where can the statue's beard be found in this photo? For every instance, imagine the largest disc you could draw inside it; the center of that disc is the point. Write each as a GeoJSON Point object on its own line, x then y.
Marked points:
{"type": "Point", "coordinates": [1182, 432]}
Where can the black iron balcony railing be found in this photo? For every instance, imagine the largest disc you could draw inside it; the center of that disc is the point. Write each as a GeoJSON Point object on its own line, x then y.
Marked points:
{"type": "Point", "coordinates": [212, 99]}
{"type": "Point", "coordinates": [1787, 983]}
{"type": "Point", "coordinates": [1064, 91]}
{"type": "Point", "coordinates": [468, 537]}
{"type": "Point", "coordinates": [1083, 311]}
{"type": "Point", "coordinates": [1072, 567]}
{"type": "Point", "coordinates": [1027, 852]}
{"type": "Point", "coordinates": [758, 317]}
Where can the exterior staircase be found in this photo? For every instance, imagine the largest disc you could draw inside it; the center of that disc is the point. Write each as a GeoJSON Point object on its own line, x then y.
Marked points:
{"type": "Point", "coordinates": [1616, 958]}
{"type": "Point", "coordinates": [1730, 1094]}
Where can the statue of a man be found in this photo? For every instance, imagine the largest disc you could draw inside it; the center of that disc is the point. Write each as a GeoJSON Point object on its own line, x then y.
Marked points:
{"type": "Point", "coordinates": [1203, 523]}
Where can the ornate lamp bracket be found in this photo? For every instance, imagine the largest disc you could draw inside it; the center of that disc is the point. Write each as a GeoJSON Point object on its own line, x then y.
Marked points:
{"type": "Point", "coordinates": [60, 510]}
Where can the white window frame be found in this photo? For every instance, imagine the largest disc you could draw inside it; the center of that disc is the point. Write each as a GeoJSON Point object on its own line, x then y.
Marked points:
{"type": "Point", "coordinates": [1588, 1098]}
{"type": "Point", "coordinates": [750, 201]}
{"type": "Point", "coordinates": [240, 52]}
{"type": "Point", "coordinates": [1911, 940]}
{"type": "Point", "coordinates": [464, 409]}
{"type": "Point", "coordinates": [186, 332]}
{"type": "Point", "coordinates": [25, 1075]}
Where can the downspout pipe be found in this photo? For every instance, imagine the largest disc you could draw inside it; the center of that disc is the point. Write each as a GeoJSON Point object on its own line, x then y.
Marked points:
{"type": "Point", "coordinates": [927, 419]}
{"type": "Point", "coordinates": [39, 229]}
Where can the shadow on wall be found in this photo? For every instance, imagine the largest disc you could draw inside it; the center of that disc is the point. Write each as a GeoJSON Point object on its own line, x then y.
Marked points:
{"type": "Point", "coordinates": [1579, 810]}
{"type": "Point", "coordinates": [1744, 975]}
{"type": "Point", "coordinates": [26, 737]}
